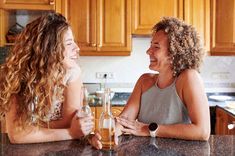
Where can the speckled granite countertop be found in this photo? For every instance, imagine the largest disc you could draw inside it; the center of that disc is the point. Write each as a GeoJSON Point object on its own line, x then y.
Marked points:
{"type": "Point", "coordinates": [128, 145]}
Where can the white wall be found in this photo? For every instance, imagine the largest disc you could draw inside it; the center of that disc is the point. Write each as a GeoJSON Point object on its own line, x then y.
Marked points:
{"type": "Point", "coordinates": [127, 69]}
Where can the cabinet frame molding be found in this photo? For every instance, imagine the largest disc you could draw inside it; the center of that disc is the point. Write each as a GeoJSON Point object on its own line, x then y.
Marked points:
{"type": "Point", "coordinates": [220, 48]}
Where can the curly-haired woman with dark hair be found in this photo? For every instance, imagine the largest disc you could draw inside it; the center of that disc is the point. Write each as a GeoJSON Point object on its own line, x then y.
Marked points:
{"type": "Point", "coordinates": [41, 83]}
{"type": "Point", "coordinates": [171, 103]}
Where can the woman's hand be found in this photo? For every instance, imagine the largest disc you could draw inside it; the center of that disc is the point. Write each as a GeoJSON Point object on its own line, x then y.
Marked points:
{"type": "Point", "coordinates": [81, 126]}
{"type": "Point", "coordinates": [133, 127]}
{"type": "Point", "coordinates": [95, 140]}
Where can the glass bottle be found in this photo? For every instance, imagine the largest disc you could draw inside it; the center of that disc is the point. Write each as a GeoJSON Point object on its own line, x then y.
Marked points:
{"type": "Point", "coordinates": [107, 123]}
{"type": "Point", "coordinates": [85, 109]}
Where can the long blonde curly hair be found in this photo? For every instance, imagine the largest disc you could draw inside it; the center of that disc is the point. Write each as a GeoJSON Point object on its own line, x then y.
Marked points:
{"type": "Point", "coordinates": [185, 46]}
{"type": "Point", "coordinates": [34, 69]}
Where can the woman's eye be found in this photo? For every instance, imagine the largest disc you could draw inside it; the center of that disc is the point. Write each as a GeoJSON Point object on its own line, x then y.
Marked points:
{"type": "Point", "coordinates": [69, 43]}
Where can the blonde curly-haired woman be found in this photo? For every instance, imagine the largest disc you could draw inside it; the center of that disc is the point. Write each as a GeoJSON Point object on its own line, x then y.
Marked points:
{"type": "Point", "coordinates": [41, 84]}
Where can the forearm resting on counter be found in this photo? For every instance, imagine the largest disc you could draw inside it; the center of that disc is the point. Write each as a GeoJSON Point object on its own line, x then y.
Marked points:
{"type": "Point", "coordinates": [36, 135]}
{"type": "Point", "coordinates": [184, 131]}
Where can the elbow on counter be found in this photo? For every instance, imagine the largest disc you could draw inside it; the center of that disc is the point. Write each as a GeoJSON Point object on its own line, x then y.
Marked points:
{"type": "Point", "coordinates": [14, 139]}
{"type": "Point", "coordinates": [204, 133]}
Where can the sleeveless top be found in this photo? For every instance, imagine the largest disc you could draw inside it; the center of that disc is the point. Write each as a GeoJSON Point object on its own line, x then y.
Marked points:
{"type": "Point", "coordinates": [162, 106]}
{"type": "Point", "coordinates": [55, 112]}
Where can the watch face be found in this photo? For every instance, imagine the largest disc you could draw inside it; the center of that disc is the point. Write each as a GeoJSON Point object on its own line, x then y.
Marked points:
{"type": "Point", "coordinates": [153, 126]}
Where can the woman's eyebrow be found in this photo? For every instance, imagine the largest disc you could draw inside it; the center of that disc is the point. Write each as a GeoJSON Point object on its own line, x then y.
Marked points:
{"type": "Point", "coordinates": [68, 40]}
{"type": "Point", "coordinates": [155, 43]}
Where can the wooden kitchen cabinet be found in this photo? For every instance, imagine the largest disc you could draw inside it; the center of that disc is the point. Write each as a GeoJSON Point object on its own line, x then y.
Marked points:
{"type": "Point", "coordinates": [29, 4]}
{"type": "Point", "coordinates": [10, 9]}
{"type": "Point", "coordinates": [116, 110]}
{"type": "Point", "coordinates": [223, 119]}
{"type": "Point", "coordinates": [231, 120]}
{"type": "Point", "coordinates": [223, 27]}
{"type": "Point", "coordinates": [101, 27]}
{"type": "Point", "coordinates": [197, 13]}
{"type": "Point", "coordinates": [1, 28]}
{"type": "Point", "coordinates": [145, 14]}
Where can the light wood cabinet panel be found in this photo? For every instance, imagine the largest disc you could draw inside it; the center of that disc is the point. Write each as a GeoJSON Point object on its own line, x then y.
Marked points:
{"type": "Point", "coordinates": [116, 111]}
{"type": "Point", "coordinates": [113, 25]}
{"type": "Point", "coordinates": [82, 17]}
{"type": "Point", "coordinates": [223, 27]}
{"type": "Point", "coordinates": [197, 13]}
{"type": "Point", "coordinates": [29, 4]}
{"type": "Point", "coordinates": [146, 13]}
{"type": "Point", "coordinates": [1, 28]}
{"type": "Point", "coordinates": [10, 9]}
{"type": "Point", "coordinates": [101, 27]}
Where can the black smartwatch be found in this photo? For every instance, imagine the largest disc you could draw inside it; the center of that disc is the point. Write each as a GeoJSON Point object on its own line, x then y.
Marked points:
{"type": "Point", "coordinates": [152, 129]}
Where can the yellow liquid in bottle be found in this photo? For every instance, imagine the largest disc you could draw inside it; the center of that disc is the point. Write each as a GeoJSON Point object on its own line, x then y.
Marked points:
{"type": "Point", "coordinates": [107, 138]}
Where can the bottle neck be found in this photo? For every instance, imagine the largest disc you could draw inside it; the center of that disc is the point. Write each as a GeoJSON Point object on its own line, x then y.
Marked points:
{"type": "Point", "coordinates": [107, 104]}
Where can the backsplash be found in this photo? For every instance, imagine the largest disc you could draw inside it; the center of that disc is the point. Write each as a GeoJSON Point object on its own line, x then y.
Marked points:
{"type": "Point", "coordinates": [218, 72]}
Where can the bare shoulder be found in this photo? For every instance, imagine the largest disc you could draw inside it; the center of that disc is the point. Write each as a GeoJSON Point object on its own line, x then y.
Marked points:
{"type": "Point", "coordinates": [146, 77]}
{"type": "Point", "coordinates": [189, 75]}
{"type": "Point", "coordinates": [147, 80]}
{"type": "Point", "coordinates": [187, 79]}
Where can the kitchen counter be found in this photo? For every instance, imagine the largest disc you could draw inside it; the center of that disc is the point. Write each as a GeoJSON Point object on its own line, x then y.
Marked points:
{"type": "Point", "coordinates": [224, 106]}
{"type": "Point", "coordinates": [128, 145]}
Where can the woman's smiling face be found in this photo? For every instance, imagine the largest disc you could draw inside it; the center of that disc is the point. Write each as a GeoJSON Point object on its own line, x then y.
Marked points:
{"type": "Point", "coordinates": [158, 52]}
{"type": "Point", "coordinates": [71, 49]}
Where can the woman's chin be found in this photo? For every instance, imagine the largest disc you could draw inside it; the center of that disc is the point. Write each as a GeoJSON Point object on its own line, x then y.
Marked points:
{"type": "Point", "coordinates": [151, 67]}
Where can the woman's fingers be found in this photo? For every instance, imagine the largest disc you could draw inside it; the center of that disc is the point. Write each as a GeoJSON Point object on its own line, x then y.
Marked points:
{"type": "Point", "coordinates": [129, 131]}
{"type": "Point", "coordinates": [98, 136]}
{"type": "Point", "coordinates": [116, 139]}
{"type": "Point", "coordinates": [126, 123]}
{"type": "Point", "coordinates": [96, 141]}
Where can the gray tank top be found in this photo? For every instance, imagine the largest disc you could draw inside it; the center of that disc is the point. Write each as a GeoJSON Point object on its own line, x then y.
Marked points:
{"type": "Point", "coordinates": [162, 106]}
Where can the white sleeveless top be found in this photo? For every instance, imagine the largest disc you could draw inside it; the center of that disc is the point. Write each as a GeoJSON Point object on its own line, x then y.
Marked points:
{"type": "Point", "coordinates": [56, 108]}
{"type": "Point", "coordinates": [162, 106]}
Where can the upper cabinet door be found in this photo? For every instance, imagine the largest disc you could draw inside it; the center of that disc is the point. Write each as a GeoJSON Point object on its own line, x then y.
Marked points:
{"type": "Point", "coordinates": [197, 13]}
{"type": "Point", "coordinates": [223, 27]}
{"type": "Point", "coordinates": [101, 27]}
{"type": "Point", "coordinates": [82, 17]}
{"type": "Point", "coordinates": [29, 4]}
{"type": "Point", "coordinates": [114, 26]}
{"type": "Point", "coordinates": [146, 13]}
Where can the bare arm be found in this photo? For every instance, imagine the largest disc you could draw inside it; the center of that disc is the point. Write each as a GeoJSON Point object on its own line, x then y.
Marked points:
{"type": "Point", "coordinates": [194, 97]}
{"type": "Point", "coordinates": [32, 134]}
{"type": "Point", "coordinates": [70, 105]}
{"type": "Point", "coordinates": [70, 126]}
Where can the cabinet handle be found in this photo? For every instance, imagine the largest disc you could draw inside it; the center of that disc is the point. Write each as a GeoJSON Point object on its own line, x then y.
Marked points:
{"type": "Point", "coordinates": [52, 2]}
{"type": "Point", "coordinates": [231, 126]}
{"type": "Point", "coordinates": [92, 44]}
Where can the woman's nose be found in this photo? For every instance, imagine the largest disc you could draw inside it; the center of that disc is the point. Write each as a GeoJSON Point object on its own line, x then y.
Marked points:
{"type": "Point", "coordinates": [76, 48]}
{"type": "Point", "coordinates": [148, 51]}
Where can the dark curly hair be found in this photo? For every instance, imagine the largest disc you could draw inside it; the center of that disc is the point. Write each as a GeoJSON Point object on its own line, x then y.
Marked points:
{"type": "Point", "coordinates": [34, 69]}
{"type": "Point", "coordinates": [185, 47]}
